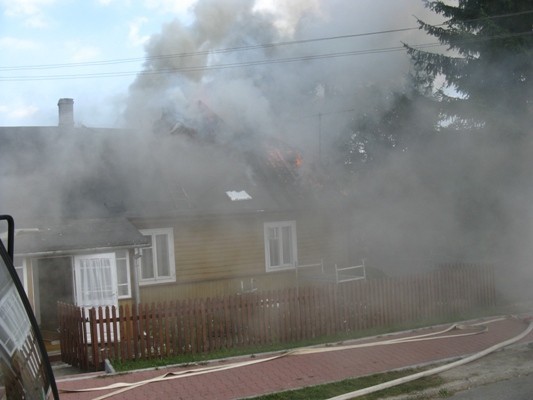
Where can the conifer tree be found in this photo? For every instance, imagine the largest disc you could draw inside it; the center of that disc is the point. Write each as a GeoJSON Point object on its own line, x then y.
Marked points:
{"type": "Point", "coordinates": [487, 65]}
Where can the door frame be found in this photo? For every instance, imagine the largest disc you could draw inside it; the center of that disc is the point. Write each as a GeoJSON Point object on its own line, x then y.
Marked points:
{"type": "Point", "coordinates": [35, 285]}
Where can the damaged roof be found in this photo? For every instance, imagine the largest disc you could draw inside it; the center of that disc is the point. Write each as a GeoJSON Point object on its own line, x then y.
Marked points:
{"type": "Point", "coordinates": [80, 172]}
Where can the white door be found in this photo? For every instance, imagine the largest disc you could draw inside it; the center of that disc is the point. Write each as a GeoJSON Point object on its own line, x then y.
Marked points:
{"type": "Point", "coordinates": [96, 282]}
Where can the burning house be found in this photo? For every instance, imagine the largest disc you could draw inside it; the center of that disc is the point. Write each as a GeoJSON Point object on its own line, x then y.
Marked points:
{"type": "Point", "coordinates": [107, 215]}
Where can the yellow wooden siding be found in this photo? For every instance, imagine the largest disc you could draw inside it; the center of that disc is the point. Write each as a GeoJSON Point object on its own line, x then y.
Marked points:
{"type": "Point", "coordinates": [310, 240]}
{"type": "Point", "coordinates": [337, 243]}
{"type": "Point", "coordinates": [124, 302]}
{"type": "Point", "coordinates": [217, 257]}
{"type": "Point", "coordinates": [217, 249]}
{"type": "Point", "coordinates": [217, 288]}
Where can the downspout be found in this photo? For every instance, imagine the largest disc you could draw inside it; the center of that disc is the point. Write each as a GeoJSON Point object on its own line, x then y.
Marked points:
{"type": "Point", "coordinates": [135, 256]}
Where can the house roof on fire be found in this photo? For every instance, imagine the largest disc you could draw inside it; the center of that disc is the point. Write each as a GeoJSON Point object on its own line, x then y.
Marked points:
{"type": "Point", "coordinates": [80, 172]}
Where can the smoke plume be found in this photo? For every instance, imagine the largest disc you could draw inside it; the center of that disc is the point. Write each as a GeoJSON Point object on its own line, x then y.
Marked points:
{"type": "Point", "coordinates": [431, 204]}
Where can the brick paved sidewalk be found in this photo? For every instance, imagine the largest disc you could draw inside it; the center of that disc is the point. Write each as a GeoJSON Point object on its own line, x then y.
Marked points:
{"type": "Point", "coordinates": [295, 371]}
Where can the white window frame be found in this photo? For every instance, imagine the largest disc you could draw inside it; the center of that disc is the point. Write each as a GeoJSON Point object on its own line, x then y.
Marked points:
{"type": "Point", "coordinates": [169, 232]}
{"type": "Point", "coordinates": [128, 278]}
{"type": "Point", "coordinates": [294, 246]}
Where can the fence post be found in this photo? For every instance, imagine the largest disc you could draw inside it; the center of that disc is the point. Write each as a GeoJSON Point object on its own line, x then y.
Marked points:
{"type": "Point", "coordinates": [125, 332]}
{"type": "Point", "coordinates": [94, 338]}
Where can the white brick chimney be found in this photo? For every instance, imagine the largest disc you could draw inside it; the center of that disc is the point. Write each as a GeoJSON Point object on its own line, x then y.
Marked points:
{"type": "Point", "coordinates": [66, 112]}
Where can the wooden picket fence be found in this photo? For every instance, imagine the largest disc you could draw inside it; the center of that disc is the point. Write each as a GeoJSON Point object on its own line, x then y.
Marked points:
{"type": "Point", "coordinates": [153, 331]}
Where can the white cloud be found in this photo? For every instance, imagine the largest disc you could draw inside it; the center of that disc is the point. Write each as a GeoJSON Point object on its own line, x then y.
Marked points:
{"type": "Point", "coordinates": [162, 6]}
{"type": "Point", "coordinates": [31, 11]}
{"type": "Point", "coordinates": [20, 112]}
{"type": "Point", "coordinates": [173, 6]}
{"type": "Point", "coordinates": [84, 53]}
{"type": "Point", "coordinates": [120, 3]}
{"type": "Point", "coordinates": [80, 52]}
{"type": "Point", "coordinates": [13, 43]}
{"type": "Point", "coordinates": [37, 21]}
{"type": "Point", "coordinates": [24, 7]}
{"type": "Point", "coordinates": [134, 34]}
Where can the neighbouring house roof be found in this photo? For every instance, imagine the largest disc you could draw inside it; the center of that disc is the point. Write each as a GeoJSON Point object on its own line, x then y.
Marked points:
{"type": "Point", "coordinates": [62, 237]}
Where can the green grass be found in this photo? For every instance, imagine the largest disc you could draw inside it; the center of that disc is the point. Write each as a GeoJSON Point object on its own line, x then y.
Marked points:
{"type": "Point", "coordinates": [349, 385]}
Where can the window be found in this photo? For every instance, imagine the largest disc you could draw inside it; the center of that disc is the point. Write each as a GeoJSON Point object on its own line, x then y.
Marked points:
{"type": "Point", "coordinates": [20, 267]}
{"type": "Point", "coordinates": [123, 274]}
{"type": "Point", "coordinates": [96, 280]}
{"type": "Point", "coordinates": [157, 260]}
{"type": "Point", "coordinates": [14, 324]}
{"type": "Point", "coordinates": [280, 245]}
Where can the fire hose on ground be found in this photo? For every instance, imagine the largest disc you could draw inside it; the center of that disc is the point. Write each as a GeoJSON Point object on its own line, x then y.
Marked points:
{"type": "Point", "coordinates": [434, 371]}
{"type": "Point", "coordinates": [473, 329]}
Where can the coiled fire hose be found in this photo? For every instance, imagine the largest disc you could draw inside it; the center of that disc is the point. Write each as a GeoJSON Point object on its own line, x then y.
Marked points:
{"type": "Point", "coordinates": [473, 329]}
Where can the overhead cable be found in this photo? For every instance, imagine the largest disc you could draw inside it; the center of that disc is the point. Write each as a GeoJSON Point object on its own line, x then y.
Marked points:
{"type": "Point", "coordinates": [243, 64]}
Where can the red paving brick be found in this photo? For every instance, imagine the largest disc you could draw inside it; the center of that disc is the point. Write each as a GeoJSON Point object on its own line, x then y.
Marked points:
{"type": "Point", "coordinates": [295, 371]}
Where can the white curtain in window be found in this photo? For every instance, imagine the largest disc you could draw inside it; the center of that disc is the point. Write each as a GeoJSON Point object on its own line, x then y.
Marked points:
{"type": "Point", "coordinates": [96, 285]}
{"type": "Point", "coordinates": [96, 280]}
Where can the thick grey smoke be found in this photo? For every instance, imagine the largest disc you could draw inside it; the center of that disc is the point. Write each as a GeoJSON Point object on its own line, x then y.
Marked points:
{"type": "Point", "coordinates": [432, 204]}
{"type": "Point", "coordinates": [410, 211]}
{"type": "Point", "coordinates": [403, 221]}
{"type": "Point", "coordinates": [275, 98]}
{"type": "Point", "coordinates": [308, 103]}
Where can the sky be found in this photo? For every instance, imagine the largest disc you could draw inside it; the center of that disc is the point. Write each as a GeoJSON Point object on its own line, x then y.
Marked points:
{"type": "Point", "coordinates": [45, 32]}
{"type": "Point", "coordinates": [43, 42]}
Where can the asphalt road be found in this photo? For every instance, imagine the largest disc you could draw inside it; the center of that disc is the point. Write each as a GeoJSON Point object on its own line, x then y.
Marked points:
{"type": "Point", "coordinates": [504, 375]}
{"type": "Point", "coordinates": [519, 388]}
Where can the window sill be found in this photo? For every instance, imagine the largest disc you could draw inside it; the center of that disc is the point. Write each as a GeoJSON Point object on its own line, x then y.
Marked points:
{"type": "Point", "coordinates": [278, 269]}
{"type": "Point", "coordinates": [151, 282]}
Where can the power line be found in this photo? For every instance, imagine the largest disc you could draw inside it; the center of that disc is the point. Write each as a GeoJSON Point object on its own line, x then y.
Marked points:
{"type": "Point", "coordinates": [200, 68]}
{"type": "Point", "coordinates": [203, 52]}
{"type": "Point", "coordinates": [236, 49]}
{"type": "Point", "coordinates": [244, 64]}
